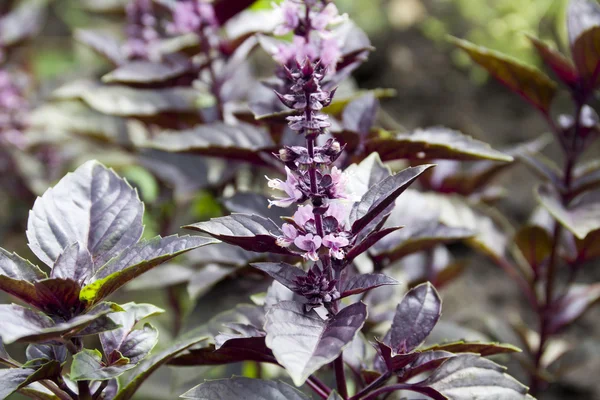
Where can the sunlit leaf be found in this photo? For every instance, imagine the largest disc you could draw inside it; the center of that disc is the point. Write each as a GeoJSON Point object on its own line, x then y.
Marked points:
{"type": "Point", "coordinates": [433, 143]}
{"type": "Point", "coordinates": [303, 342]}
{"type": "Point", "coordinates": [239, 388]}
{"type": "Point", "coordinates": [525, 80]}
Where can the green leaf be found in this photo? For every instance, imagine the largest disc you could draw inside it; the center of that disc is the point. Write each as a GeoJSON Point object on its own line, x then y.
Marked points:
{"type": "Point", "coordinates": [468, 376]}
{"type": "Point", "coordinates": [151, 364]}
{"type": "Point", "coordinates": [138, 259]}
{"type": "Point", "coordinates": [303, 342]}
{"type": "Point", "coordinates": [529, 82]}
{"type": "Point", "coordinates": [238, 388]}
{"type": "Point", "coordinates": [433, 143]}
{"type": "Point", "coordinates": [581, 217]}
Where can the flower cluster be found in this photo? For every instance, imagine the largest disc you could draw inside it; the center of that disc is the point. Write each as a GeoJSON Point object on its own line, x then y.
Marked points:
{"type": "Point", "coordinates": [317, 287]}
{"type": "Point", "coordinates": [192, 16]}
{"type": "Point", "coordinates": [12, 103]}
{"type": "Point", "coordinates": [141, 29]}
{"type": "Point", "coordinates": [309, 21]}
{"type": "Point", "coordinates": [302, 231]}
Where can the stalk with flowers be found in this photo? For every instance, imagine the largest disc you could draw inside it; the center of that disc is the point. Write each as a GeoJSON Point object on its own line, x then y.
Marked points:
{"type": "Point", "coordinates": [313, 311]}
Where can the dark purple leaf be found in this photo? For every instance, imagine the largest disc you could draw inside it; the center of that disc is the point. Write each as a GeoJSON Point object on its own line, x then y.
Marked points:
{"type": "Point", "coordinates": [577, 301]}
{"type": "Point", "coordinates": [367, 174]}
{"type": "Point", "coordinates": [466, 376]}
{"type": "Point", "coordinates": [206, 278]}
{"type": "Point", "coordinates": [232, 351]}
{"type": "Point", "coordinates": [47, 352]}
{"type": "Point", "coordinates": [415, 318]}
{"type": "Point", "coordinates": [57, 296]}
{"type": "Point", "coordinates": [253, 203]}
{"type": "Point", "coordinates": [250, 232]}
{"type": "Point", "coordinates": [88, 365]}
{"type": "Point", "coordinates": [529, 82]}
{"type": "Point", "coordinates": [132, 382]}
{"type": "Point", "coordinates": [238, 388]}
{"type": "Point", "coordinates": [147, 72]}
{"type": "Point", "coordinates": [424, 362]}
{"type": "Point", "coordinates": [25, 325]}
{"type": "Point", "coordinates": [127, 101]}
{"type": "Point", "coordinates": [361, 283]}
{"type": "Point", "coordinates": [138, 259]}
{"type": "Point", "coordinates": [433, 143]}
{"type": "Point", "coordinates": [586, 177]}
{"type": "Point", "coordinates": [242, 142]}
{"type": "Point", "coordinates": [359, 115]}
{"type": "Point", "coordinates": [75, 263]}
{"type": "Point", "coordinates": [369, 241]}
{"type": "Point", "coordinates": [381, 196]}
{"type": "Point", "coordinates": [102, 43]}
{"type": "Point", "coordinates": [133, 344]}
{"type": "Point", "coordinates": [581, 217]}
{"type": "Point", "coordinates": [303, 342]}
{"type": "Point", "coordinates": [283, 273]}
{"type": "Point", "coordinates": [587, 57]}
{"type": "Point", "coordinates": [23, 22]}
{"type": "Point", "coordinates": [560, 65]}
{"type": "Point", "coordinates": [92, 206]}
{"type": "Point", "coordinates": [17, 268]}
{"type": "Point", "coordinates": [13, 379]}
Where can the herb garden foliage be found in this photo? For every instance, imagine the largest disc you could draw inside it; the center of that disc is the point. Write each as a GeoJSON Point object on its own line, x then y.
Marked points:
{"type": "Point", "coordinates": [180, 99]}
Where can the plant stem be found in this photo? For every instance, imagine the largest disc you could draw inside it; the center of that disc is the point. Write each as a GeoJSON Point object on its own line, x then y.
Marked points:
{"type": "Point", "coordinates": [316, 388]}
{"type": "Point", "coordinates": [60, 382]}
{"type": "Point", "coordinates": [571, 156]}
{"type": "Point", "coordinates": [61, 394]}
{"type": "Point", "coordinates": [400, 386]}
{"type": "Point", "coordinates": [340, 376]}
{"type": "Point", "coordinates": [100, 389]}
{"type": "Point", "coordinates": [372, 386]}
{"type": "Point", "coordinates": [84, 390]}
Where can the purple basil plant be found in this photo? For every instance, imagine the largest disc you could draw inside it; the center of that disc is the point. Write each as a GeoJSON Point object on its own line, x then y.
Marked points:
{"type": "Point", "coordinates": [562, 237]}
{"type": "Point", "coordinates": [313, 311]}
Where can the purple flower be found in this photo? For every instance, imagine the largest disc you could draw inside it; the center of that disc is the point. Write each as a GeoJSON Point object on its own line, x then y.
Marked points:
{"type": "Point", "coordinates": [290, 233]}
{"type": "Point", "coordinates": [335, 244]}
{"type": "Point", "coordinates": [310, 244]}
{"type": "Point", "coordinates": [330, 53]}
{"type": "Point", "coordinates": [339, 211]}
{"type": "Point", "coordinates": [290, 187]}
{"type": "Point", "coordinates": [191, 16]}
{"type": "Point", "coordinates": [303, 215]}
{"type": "Point", "coordinates": [291, 19]}
{"type": "Point", "coordinates": [329, 15]}
{"type": "Point", "coordinates": [141, 29]}
{"type": "Point", "coordinates": [339, 180]}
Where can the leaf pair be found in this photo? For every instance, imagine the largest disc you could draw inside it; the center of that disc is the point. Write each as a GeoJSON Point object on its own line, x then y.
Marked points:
{"type": "Point", "coordinates": [123, 348]}
{"type": "Point", "coordinates": [87, 230]}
